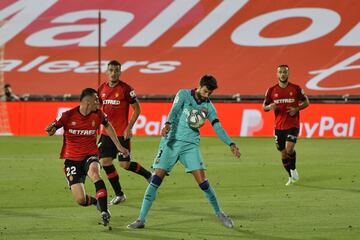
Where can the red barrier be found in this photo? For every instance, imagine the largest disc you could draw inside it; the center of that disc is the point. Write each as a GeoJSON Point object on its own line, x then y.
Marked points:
{"type": "Point", "coordinates": [239, 119]}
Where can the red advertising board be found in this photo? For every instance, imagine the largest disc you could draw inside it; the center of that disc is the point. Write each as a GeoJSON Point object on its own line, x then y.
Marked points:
{"type": "Point", "coordinates": [51, 46]}
{"type": "Point", "coordinates": [239, 119]}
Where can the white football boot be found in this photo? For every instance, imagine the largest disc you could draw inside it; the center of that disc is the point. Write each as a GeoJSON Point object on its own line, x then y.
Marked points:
{"type": "Point", "coordinates": [294, 175]}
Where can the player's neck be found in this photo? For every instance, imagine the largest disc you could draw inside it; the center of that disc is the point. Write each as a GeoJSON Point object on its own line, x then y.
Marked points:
{"type": "Point", "coordinates": [84, 110]}
{"type": "Point", "coordinates": [283, 84]}
{"type": "Point", "coordinates": [113, 84]}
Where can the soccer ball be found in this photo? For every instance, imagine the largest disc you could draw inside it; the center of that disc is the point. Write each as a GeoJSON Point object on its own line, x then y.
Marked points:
{"type": "Point", "coordinates": [196, 118]}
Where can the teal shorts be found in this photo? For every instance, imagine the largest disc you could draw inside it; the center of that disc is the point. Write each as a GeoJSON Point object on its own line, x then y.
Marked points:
{"type": "Point", "coordinates": [170, 151]}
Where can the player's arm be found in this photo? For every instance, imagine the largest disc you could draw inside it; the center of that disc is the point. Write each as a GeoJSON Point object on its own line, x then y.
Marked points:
{"type": "Point", "coordinates": [55, 125]}
{"type": "Point", "coordinates": [51, 129]}
{"type": "Point", "coordinates": [268, 104]}
{"type": "Point", "coordinates": [174, 112]}
{"type": "Point", "coordinates": [304, 103]}
{"type": "Point", "coordinates": [112, 134]}
{"type": "Point", "coordinates": [221, 133]}
{"type": "Point", "coordinates": [136, 112]}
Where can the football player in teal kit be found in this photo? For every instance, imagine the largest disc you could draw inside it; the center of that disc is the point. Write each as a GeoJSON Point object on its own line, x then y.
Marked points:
{"type": "Point", "coordinates": [180, 142]}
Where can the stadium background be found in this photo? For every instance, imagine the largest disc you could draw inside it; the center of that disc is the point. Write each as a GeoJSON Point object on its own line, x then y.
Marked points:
{"type": "Point", "coordinates": [50, 51]}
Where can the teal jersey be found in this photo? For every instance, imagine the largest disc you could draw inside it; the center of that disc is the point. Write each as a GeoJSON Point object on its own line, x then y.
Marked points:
{"type": "Point", "coordinates": [183, 103]}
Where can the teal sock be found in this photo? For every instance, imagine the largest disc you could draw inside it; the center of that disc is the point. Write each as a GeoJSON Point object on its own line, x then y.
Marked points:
{"type": "Point", "coordinates": [149, 197]}
{"type": "Point", "coordinates": [211, 196]}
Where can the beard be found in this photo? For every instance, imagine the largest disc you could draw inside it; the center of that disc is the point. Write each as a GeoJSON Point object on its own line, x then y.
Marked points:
{"type": "Point", "coordinates": [284, 80]}
{"type": "Point", "coordinates": [199, 96]}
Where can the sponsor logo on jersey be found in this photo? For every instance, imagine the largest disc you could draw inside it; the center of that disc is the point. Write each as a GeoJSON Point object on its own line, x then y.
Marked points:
{"type": "Point", "coordinates": [82, 132]}
{"type": "Point", "coordinates": [111, 102]}
{"type": "Point", "coordinates": [284, 100]}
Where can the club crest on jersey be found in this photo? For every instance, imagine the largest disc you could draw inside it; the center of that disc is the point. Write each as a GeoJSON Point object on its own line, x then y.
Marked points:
{"type": "Point", "coordinates": [291, 93]}
{"type": "Point", "coordinates": [276, 95]}
{"type": "Point", "coordinates": [93, 123]}
{"type": "Point", "coordinates": [103, 95]}
{"type": "Point", "coordinates": [116, 94]}
{"type": "Point", "coordinates": [73, 123]}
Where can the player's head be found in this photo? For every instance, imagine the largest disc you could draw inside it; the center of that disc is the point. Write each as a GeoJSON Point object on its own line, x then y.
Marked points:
{"type": "Point", "coordinates": [113, 71]}
{"type": "Point", "coordinates": [283, 73]}
{"type": "Point", "coordinates": [207, 85]}
{"type": "Point", "coordinates": [8, 90]}
{"type": "Point", "coordinates": [89, 99]}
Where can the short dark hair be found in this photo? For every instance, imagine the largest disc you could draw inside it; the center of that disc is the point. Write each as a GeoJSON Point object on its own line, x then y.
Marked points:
{"type": "Point", "coordinates": [87, 92]}
{"type": "Point", "coordinates": [7, 85]}
{"type": "Point", "coordinates": [209, 81]}
{"type": "Point", "coordinates": [115, 63]}
{"type": "Point", "coordinates": [283, 65]}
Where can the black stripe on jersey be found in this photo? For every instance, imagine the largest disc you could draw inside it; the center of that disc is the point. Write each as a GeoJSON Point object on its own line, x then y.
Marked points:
{"type": "Point", "coordinates": [215, 121]}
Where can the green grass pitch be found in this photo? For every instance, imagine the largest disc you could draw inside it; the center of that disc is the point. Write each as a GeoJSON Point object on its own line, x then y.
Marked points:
{"type": "Point", "coordinates": [35, 202]}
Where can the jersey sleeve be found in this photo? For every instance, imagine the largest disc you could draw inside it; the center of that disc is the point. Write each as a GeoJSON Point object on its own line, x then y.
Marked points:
{"type": "Point", "coordinates": [220, 132]}
{"type": "Point", "coordinates": [268, 98]}
{"type": "Point", "coordinates": [212, 115]}
{"type": "Point", "coordinates": [177, 106]}
{"type": "Point", "coordinates": [60, 121]}
{"type": "Point", "coordinates": [301, 93]}
{"type": "Point", "coordinates": [104, 119]}
{"type": "Point", "coordinates": [131, 95]}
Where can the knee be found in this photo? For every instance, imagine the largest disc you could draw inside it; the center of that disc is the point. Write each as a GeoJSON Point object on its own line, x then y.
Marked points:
{"type": "Point", "coordinates": [94, 175]}
{"type": "Point", "coordinates": [290, 151]}
{"type": "Point", "coordinates": [156, 181]}
{"type": "Point", "coordinates": [81, 200]}
{"type": "Point", "coordinates": [204, 185]}
{"type": "Point", "coordinates": [125, 165]}
{"type": "Point", "coordinates": [106, 161]}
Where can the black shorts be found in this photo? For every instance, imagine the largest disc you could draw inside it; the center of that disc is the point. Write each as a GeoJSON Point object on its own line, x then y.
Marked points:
{"type": "Point", "coordinates": [108, 149]}
{"type": "Point", "coordinates": [76, 171]}
{"type": "Point", "coordinates": [282, 136]}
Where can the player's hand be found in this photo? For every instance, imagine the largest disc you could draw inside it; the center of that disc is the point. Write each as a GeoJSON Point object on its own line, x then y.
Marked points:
{"type": "Point", "coordinates": [166, 129]}
{"type": "Point", "coordinates": [235, 150]}
{"type": "Point", "coordinates": [124, 152]}
{"type": "Point", "coordinates": [128, 133]}
{"type": "Point", "coordinates": [51, 129]}
{"type": "Point", "coordinates": [272, 106]}
{"type": "Point", "coordinates": [292, 110]}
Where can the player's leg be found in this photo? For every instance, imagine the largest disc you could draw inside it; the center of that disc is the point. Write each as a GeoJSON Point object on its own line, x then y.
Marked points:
{"type": "Point", "coordinates": [108, 152]}
{"type": "Point", "coordinates": [291, 153]}
{"type": "Point", "coordinates": [204, 185]}
{"type": "Point", "coordinates": [163, 163]}
{"type": "Point", "coordinates": [75, 175]}
{"type": "Point", "coordinates": [128, 164]}
{"type": "Point", "coordinates": [92, 166]}
{"type": "Point", "coordinates": [78, 192]}
{"type": "Point", "coordinates": [149, 197]}
{"type": "Point", "coordinates": [192, 160]}
{"type": "Point", "coordinates": [280, 141]}
{"type": "Point", "coordinates": [210, 194]}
